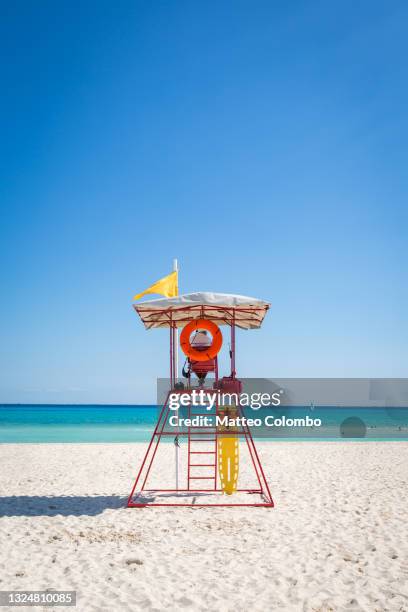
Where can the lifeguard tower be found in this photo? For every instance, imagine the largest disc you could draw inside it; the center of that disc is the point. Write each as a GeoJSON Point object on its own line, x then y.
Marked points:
{"type": "Point", "coordinates": [202, 464]}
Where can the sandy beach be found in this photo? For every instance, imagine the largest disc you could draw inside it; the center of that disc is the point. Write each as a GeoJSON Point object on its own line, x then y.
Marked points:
{"type": "Point", "coordinates": [337, 539]}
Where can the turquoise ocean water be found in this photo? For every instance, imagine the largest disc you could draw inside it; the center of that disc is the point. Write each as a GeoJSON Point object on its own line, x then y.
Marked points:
{"type": "Point", "coordinates": [118, 423]}
{"type": "Point", "coordinates": [56, 423]}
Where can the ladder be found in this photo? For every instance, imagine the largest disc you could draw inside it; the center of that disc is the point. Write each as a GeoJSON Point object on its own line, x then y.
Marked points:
{"type": "Point", "coordinates": [202, 454]}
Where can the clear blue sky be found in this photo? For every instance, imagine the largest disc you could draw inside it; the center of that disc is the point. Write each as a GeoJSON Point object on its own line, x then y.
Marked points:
{"type": "Point", "coordinates": [264, 144]}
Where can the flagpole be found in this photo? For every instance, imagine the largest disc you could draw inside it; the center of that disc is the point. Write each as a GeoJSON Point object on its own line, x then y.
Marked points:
{"type": "Point", "coordinates": [175, 269]}
{"type": "Point", "coordinates": [175, 353]}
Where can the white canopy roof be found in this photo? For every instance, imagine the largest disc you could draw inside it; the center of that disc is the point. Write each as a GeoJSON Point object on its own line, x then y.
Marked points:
{"type": "Point", "coordinates": [223, 308]}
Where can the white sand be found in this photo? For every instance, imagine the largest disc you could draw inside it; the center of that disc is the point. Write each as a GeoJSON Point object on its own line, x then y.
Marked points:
{"type": "Point", "coordinates": [337, 539]}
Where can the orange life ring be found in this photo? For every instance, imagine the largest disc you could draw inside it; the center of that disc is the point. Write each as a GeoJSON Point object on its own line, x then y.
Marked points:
{"type": "Point", "coordinates": [208, 353]}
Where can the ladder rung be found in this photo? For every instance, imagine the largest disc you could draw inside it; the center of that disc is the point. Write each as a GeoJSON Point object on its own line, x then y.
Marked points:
{"type": "Point", "coordinates": [199, 434]}
{"type": "Point", "coordinates": [202, 477]}
{"type": "Point", "coordinates": [202, 464]}
{"type": "Point", "coordinates": [203, 452]}
{"type": "Point", "coordinates": [202, 440]}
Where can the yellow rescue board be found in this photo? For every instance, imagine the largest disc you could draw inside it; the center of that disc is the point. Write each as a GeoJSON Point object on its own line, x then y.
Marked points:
{"type": "Point", "coordinates": [228, 462]}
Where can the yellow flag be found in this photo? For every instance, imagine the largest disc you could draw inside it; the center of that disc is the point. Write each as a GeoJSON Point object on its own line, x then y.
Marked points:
{"type": "Point", "coordinates": [167, 286]}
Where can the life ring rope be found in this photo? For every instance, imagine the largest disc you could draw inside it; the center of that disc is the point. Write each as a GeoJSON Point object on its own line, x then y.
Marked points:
{"type": "Point", "coordinates": [207, 353]}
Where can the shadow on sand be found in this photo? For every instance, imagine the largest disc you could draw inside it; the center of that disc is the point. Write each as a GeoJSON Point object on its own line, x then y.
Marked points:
{"type": "Point", "coordinates": [70, 505]}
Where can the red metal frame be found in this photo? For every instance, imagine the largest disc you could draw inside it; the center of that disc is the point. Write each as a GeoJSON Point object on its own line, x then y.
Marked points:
{"type": "Point", "coordinates": [200, 434]}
